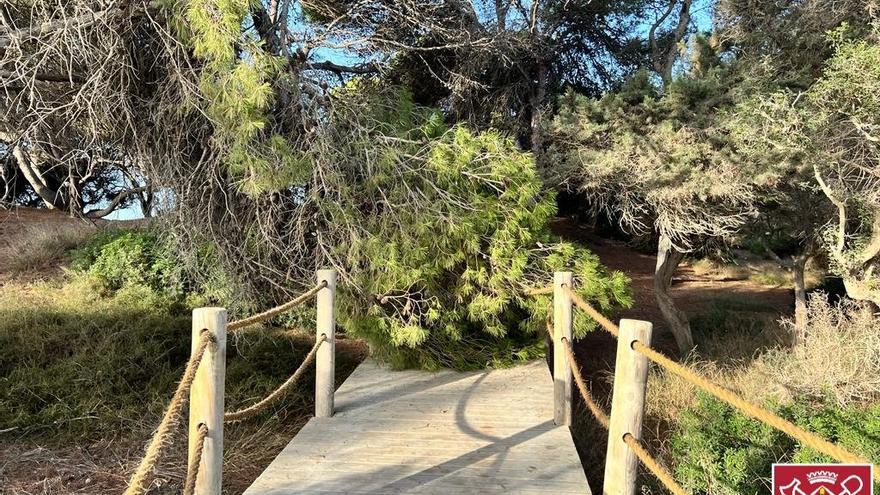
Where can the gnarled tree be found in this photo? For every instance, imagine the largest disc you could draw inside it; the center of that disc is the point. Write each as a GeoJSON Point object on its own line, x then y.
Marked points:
{"type": "Point", "coordinates": [657, 165]}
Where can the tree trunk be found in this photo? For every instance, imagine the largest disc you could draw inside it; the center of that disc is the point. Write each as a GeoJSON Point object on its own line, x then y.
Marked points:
{"type": "Point", "coordinates": [862, 289]}
{"type": "Point", "coordinates": [668, 259]}
{"type": "Point", "coordinates": [537, 103]}
{"type": "Point", "coordinates": [800, 298]}
{"type": "Point", "coordinates": [50, 197]}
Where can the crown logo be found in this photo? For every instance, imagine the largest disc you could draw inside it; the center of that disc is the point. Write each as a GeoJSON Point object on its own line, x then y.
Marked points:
{"type": "Point", "coordinates": [822, 477]}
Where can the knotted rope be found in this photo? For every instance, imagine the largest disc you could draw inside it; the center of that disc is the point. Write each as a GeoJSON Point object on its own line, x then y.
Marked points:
{"type": "Point", "coordinates": [266, 315]}
{"type": "Point", "coordinates": [279, 392]}
{"type": "Point", "coordinates": [137, 485]}
{"type": "Point", "coordinates": [192, 469]}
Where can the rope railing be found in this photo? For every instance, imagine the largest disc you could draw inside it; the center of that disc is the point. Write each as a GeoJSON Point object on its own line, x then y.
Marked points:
{"type": "Point", "coordinates": [808, 438]}
{"type": "Point", "coordinates": [192, 468]}
{"type": "Point", "coordinates": [596, 410]}
{"type": "Point", "coordinates": [635, 444]}
{"type": "Point", "coordinates": [257, 408]}
{"type": "Point", "coordinates": [752, 410]}
{"type": "Point", "coordinates": [271, 313]}
{"type": "Point", "coordinates": [138, 485]}
{"type": "Point", "coordinates": [203, 382]}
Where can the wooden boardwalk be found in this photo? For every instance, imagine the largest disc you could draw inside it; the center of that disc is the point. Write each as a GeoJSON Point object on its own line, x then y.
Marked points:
{"type": "Point", "coordinates": [445, 433]}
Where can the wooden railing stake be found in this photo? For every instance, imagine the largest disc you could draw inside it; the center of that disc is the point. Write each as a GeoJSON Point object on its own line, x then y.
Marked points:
{"type": "Point", "coordinates": [207, 399]}
{"type": "Point", "coordinates": [562, 378]}
{"type": "Point", "coordinates": [325, 360]}
{"type": "Point", "coordinates": [627, 408]}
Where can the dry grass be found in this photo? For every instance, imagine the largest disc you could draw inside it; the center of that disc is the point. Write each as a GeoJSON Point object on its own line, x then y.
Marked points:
{"type": "Point", "coordinates": [840, 355]}
{"type": "Point", "coordinates": [42, 246]}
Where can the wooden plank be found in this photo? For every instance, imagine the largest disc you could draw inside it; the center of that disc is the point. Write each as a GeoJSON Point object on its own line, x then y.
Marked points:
{"type": "Point", "coordinates": [446, 433]}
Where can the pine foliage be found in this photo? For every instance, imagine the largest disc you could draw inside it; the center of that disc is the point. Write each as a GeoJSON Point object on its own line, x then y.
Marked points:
{"type": "Point", "coordinates": [441, 231]}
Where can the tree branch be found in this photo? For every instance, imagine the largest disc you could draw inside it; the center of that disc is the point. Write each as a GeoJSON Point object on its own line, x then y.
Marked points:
{"type": "Point", "coordinates": [365, 68]}
{"type": "Point", "coordinates": [83, 20]}
{"type": "Point", "coordinates": [110, 208]}
{"type": "Point", "coordinates": [46, 77]}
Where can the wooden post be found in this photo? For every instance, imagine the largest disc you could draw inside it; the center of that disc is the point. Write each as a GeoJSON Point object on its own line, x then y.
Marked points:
{"type": "Point", "coordinates": [325, 359]}
{"type": "Point", "coordinates": [562, 377]}
{"type": "Point", "coordinates": [206, 399]}
{"type": "Point", "coordinates": [627, 408]}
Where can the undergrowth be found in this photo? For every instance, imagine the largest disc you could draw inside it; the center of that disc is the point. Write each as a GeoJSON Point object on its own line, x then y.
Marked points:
{"type": "Point", "coordinates": [101, 350]}
{"type": "Point", "coordinates": [721, 451]}
{"type": "Point", "coordinates": [827, 385]}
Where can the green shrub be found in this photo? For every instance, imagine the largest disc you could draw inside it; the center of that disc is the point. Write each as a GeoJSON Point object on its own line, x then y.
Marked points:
{"type": "Point", "coordinates": [441, 232]}
{"type": "Point", "coordinates": [720, 451]}
{"type": "Point", "coordinates": [122, 258]}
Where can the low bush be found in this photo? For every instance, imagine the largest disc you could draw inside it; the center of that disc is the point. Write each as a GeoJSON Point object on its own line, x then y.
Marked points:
{"type": "Point", "coordinates": [839, 356]}
{"type": "Point", "coordinates": [121, 258]}
{"type": "Point", "coordinates": [717, 450]}
{"type": "Point", "coordinates": [828, 385]}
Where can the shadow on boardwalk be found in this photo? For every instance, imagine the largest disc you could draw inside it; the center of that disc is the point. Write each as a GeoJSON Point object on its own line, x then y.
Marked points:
{"type": "Point", "coordinates": [420, 432]}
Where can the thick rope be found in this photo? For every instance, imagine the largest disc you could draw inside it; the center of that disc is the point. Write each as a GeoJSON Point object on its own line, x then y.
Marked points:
{"type": "Point", "coordinates": [653, 465]}
{"type": "Point", "coordinates": [810, 439]}
{"type": "Point", "coordinates": [649, 462]}
{"type": "Point", "coordinates": [279, 392]}
{"type": "Point", "coordinates": [592, 405]}
{"type": "Point", "coordinates": [589, 310]}
{"type": "Point", "coordinates": [265, 315]}
{"type": "Point", "coordinates": [540, 291]}
{"type": "Point", "coordinates": [137, 485]}
{"type": "Point", "coordinates": [192, 469]}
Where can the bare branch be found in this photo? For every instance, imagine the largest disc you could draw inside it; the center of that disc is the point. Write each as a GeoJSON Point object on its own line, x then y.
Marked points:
{"type": "Point", "coordinates": [110, 208]}
{"type": "Point", "coordinates": [365, 68]}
